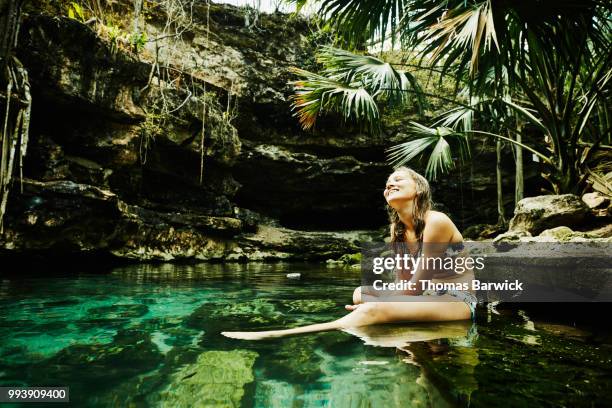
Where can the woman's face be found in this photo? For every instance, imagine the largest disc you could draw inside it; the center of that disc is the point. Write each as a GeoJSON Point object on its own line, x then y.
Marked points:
{"type": "Point", "coordinates": [400, 188]}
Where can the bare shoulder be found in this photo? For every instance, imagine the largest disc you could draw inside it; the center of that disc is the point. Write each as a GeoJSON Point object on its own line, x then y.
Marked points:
{"type": "Point", "coordinates": [440, 226]}
{"type": "Point", "coordinates": [438, 218]}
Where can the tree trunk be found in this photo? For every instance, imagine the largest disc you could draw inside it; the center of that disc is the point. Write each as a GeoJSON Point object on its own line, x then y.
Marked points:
{"type": "Point", "coordinates": [501, 219]}
{"type": "Point", "coordinates": [519, 172]}
{"type": "Point", "coordinates": [136, 19]}
{"type": "Point", "coordinates": [10, 13]}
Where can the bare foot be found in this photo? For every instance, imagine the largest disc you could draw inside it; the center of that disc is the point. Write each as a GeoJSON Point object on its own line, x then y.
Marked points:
{"type": "Point", "coordinates": [251, 335]}
{"type": "Point", "coordinates": [351, 307]}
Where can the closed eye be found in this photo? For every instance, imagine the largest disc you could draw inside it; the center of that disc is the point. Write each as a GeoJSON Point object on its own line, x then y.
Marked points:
{"type": "Point", "coordinates": [396, 179]}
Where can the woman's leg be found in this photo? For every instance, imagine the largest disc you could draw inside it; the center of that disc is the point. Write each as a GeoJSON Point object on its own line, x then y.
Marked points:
{"type": "Point", "coordinates": [375, 313]}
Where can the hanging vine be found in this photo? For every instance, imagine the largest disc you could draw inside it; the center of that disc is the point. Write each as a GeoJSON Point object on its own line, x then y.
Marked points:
{"type": "Point", "coordinates": [178, 20]}
{"type": "Point", "coordinates": [16, 101]}
{"type": "Point", "coordinates": [202, 152]}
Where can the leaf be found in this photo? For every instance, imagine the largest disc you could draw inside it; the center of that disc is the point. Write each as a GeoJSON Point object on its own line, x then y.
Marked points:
{"type": "Point", "coordinates": [78, 10]}
{"type": "Point", "coordinates": [350, 84]}
{"type": "Point", "coordinates": [317, 94]}
{"type": "Point", "coordinates": [374, 74]}
{"type": "Point", "coordinates": [525, 112]}
{"type": "Point", "coordinates": [440, 159]}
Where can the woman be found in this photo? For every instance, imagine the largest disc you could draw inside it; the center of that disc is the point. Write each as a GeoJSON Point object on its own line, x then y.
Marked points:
{"type": "Point", "coordinates": [414, 223]}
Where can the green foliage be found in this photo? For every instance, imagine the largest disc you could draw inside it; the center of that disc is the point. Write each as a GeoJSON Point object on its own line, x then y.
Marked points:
{"type": "Point", "coordinates": [114, 35]}
{"type": "Point", "coordinates": [350, 85]}
{"type": "Point", "coordinates": [347, 260]}
{"type": "Point", "coordinates": [434, 139]}
{"type": "Point", "coordinates": [320, 34]}
{"type": "Point", "coordinates": [79, 10]}
{"type": "Point", "coordinates": [545, 63]}
{"type": "Point", "coordinates": [138, 41]}
{"type": "Point", "coordinates": [75, 11]}
{"type": "Point", "coordinates": [351, 259]}
{"type": "Point", "coordinates": [318, 94]}
{"type": "Point", "coordinates": [150, 128]}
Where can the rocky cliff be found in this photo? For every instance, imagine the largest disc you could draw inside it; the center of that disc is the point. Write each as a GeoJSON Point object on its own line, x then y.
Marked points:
{"type": "Point", "coordinates": [105, 173]}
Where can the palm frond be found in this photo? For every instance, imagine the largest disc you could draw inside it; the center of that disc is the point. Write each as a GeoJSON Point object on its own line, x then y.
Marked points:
{"type": "Point", "coordinates": [350, 85]}
{"type": "Point", "coordinates": [377, 76]}
{"type": "Point", "coordinates": [525, 112]}
{"type": "Point", "coordinates": [470, 30]}
{"type": "Point", "coordinates": [317, 94]}
{"type": "Point", "coordinates": [359, 20]}
{"type": "Point", "coordinates": [456, 118]}
{"type": "Point", "coordinates": [440, 159]}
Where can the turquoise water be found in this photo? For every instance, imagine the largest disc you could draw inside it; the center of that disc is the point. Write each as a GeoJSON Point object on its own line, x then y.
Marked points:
{"type": "Point", "coordinates": [148, 335]}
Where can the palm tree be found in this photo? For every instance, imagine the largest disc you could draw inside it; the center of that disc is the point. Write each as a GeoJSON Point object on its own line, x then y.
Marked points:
{"type": "Point", "coordinates": [554, 55]}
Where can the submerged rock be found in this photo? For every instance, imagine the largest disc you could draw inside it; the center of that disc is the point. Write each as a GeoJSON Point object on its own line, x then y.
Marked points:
{"type": "Point", "coordinates": [130, 353]}
{"type": "Point", "coordinates": [562, 330]}
{"type": "Point", "coordinates": [117, 312]}
{"type": "Point", "coordinates": [295, 359]}
{"type": "Point", "coordinates": [309, 306]}
{"type": "Point", "coordinates": [555, 365]}
{"type": "Point", "coordinates": [216, 379]}
{"type": "Point", "coordinates": [229, 316]}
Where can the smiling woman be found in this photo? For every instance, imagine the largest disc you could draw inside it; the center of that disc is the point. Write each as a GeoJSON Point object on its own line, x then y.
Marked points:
{"type": "Point", "coordinates": [413, 224]}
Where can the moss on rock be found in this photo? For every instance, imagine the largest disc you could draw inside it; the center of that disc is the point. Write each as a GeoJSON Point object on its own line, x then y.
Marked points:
{"type": "Point", "coordinates": [216, 379]}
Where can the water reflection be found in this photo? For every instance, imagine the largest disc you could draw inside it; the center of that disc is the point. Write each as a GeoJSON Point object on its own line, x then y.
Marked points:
{"type": "Point", "coordinates": [401, 335]}
{"type": "Point", "coordinates": [424, 344]}
{"type": "Point", "coordinates": [253, 273]}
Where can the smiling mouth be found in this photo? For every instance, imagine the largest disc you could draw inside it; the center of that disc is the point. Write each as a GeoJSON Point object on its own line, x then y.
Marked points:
{"type": "Point", "coordinates": [392, 190]}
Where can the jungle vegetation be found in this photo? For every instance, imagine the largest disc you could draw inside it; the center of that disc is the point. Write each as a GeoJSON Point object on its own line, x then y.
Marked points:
{"type": "Point", "coordinates": [542, 65]}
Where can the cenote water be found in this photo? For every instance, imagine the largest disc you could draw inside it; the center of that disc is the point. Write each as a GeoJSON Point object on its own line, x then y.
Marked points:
{"type": "Point", "coordinates": [148, 335]}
